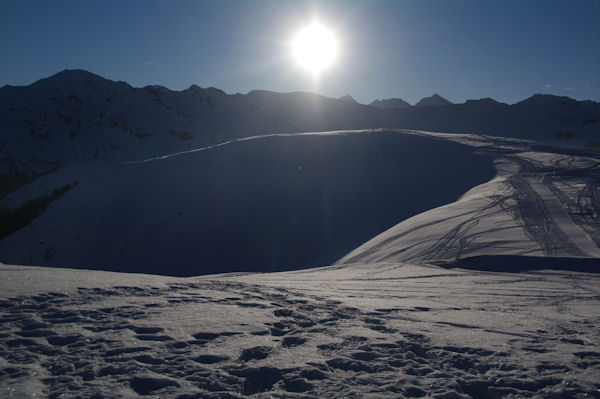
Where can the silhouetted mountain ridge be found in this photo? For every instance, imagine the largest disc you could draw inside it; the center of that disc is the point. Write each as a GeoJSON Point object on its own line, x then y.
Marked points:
{"type": "Point", "coordinates": [434, 101]}
{"type": "Point", "coordinates": [348, 98]}
{"type": "Point", "coordinates": [76, 116]}
{"type": "Point", "coordinates": [390, 103]}
{"type": "Point", "coordinates": [539, 99]}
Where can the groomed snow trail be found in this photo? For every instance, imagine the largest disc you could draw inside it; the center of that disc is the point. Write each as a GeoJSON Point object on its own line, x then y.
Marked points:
{"type": "Point", "coordinates": [575, 235]}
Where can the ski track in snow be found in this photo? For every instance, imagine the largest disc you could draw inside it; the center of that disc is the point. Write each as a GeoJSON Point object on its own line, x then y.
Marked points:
{"type": "Point", "coordinates": [563, 222]}
{"type": "Point", "coordinates": [542, 202]}
{"type": "Point", "coordinates": [382, 330]}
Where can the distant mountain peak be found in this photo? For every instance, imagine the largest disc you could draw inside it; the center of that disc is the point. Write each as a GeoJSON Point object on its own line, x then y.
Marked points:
{"type": "Point", "coordinates": [77, 79]}
{"type": "Point", "coordinates": [434, 101]}
{"type": "Point", "coordinates": [73, 74]}
{"type": "Point", "coordinates": [390, 103]}
{"type": "Point", "coordinates": [194, 87]}
{"type": "Point", "coordinates": [486, 100]}
{"type": "Point", "coordinates": [348, 98]}
{"type": "Point", "coordinates": [546, 99]}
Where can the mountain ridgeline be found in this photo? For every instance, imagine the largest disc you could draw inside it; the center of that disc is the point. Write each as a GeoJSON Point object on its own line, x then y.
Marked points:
{"type": "Point", "coordinates": [76, 116]}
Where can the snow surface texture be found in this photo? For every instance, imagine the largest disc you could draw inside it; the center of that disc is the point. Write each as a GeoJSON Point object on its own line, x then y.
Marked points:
{"type": "Point", "coordinates": [360, 331]}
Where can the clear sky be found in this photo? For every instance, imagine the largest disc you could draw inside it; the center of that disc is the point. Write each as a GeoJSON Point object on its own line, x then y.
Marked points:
{"type": "Point", "coordinates": [461, 49]}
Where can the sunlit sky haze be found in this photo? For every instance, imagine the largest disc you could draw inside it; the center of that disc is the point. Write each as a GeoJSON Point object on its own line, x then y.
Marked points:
{"type": "Point", "coordinates": [461, 49]}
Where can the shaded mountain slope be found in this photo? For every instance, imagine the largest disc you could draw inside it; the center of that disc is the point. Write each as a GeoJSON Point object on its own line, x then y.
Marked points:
{"type": "Point", "coordinates": [263, 203]}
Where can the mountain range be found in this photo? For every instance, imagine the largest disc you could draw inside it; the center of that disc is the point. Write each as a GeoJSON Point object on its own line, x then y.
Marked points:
{"type": "Point", "coordinates": [97, 173]}
{"type": "Point", "coordinates": [77, 116]}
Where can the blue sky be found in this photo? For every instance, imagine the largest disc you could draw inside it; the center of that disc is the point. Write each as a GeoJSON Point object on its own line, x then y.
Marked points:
{"type": "Point", "coordinates": [461, 49]}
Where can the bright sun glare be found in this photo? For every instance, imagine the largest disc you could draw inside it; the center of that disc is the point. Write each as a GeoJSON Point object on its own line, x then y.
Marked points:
{"type": "Point", "coordinates": [315, 48]}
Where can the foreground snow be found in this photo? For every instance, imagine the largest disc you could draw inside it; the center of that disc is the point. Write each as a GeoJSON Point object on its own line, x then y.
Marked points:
{"type": "Point", "coordinates": [378, 330]}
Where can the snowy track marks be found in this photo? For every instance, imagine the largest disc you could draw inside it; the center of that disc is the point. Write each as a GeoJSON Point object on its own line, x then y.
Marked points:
{"type": "Point", "coordinates": [578, 238]}
{"type": "Point", "coordinates": [309, 346]}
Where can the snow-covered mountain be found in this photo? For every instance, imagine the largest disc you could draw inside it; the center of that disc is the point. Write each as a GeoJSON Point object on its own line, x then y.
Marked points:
{"type": "Point", "coordinates": [390, 103]}
{"type": "Point", "coordinates": [434, 101]}
{"type": "Point", "coordinates": [75, 117]}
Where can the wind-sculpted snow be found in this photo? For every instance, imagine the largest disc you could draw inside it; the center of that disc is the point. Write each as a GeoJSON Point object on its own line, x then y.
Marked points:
{"type": "Point", "coordinates": [380, 330]}
{"type": "Point", "coordinates": [262, 204]}
{"type": "Point", "coordinates": [543, 202]}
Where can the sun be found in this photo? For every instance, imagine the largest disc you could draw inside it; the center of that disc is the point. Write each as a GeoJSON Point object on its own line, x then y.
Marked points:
{"type": "Point", "coordinates": [315, 48]}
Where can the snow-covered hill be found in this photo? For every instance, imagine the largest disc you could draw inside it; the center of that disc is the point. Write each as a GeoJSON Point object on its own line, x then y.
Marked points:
{"type": "Point", "coordinates": [275, 202]}
{"type": "Point", "coordinates": [542, 202]}
{"type": "Point", "coordinates": [261, 203]}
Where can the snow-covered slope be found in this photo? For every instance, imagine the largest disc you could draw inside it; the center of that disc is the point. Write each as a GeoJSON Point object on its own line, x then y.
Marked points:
{"type": "Point", "coordinates": [543, 202]}
{"type": "Point", "coordinates": [261, 203]}
{"type": "Point", "coordinates": [360, 331]}
{"type": "Point", "coordinates": [286, 201]}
